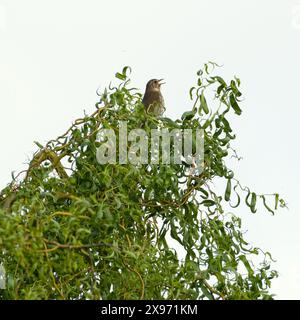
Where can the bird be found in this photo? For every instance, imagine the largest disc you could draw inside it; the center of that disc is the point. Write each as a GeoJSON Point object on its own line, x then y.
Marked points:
{"type": "Point", "coordinates": [153, 99]}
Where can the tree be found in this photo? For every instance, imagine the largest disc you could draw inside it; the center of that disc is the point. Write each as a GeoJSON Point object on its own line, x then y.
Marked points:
{"type": "Point", "coordinates": [74, 229]}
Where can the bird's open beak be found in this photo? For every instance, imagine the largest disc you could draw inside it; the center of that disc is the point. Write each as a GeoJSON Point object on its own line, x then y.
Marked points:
{"type": "Point", "coordinates": [160, 83]}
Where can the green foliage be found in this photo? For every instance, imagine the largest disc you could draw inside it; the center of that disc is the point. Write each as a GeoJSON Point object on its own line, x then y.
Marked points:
{"type": "Point", "coordinates": [75, 229]}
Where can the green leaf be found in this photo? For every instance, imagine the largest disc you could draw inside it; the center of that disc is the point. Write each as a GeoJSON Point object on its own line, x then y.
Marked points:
{"type": "Point", "coordinates": [220, 88]}
{"type": "Point", "coordinates": [130, 254]}
{"type": "Point", "coordinates": [235, 89]}
{"type": "Point", "coordinates": [170, 122]}
{"type": "Point", "coordinates": [220, 80]}
{"type": "Point", "coordinates": [235, 105]}
{"type": "Point", "coordinates": [208, 203]}
{"type": "Point", "coordinates": [226, 124]}
{"type": "Point", "coordinates": [246, 264]}
{"type": "Point", "coordinates": [206, 68]}
{"type": "Point", "coordinates": [276, 200]}
{"type": "Point", "coordinates": [204, 192]}
{"type": "Point", "coordinates": [174, 233]}
{"type": "Point", "coordinates": [205, 292]}
{"type": "Point", "coordinates": [238, 81]}
{"type": "Point", "coordinates": [191, 92]}
{"type": "Point", "coordinates": [124, 71]}
{"type": "Point", "coordinates": [203, 103]}
{"type": "Point", "coordinates": [238, 196]}
{"type": "Point", "coordinates": [253, 202]}
{"type": "Point", "coordinates": [120, 76]}
{"type": "Point", "coordinates": [188, 115]}
{"type": "Point", "coordinates": [38, 144]}
{"type": "Point", "coordinates": [200, 73]}
{"type": "Point", "coordinates": [248, 203]}
{"type": "Point", "coordinates": [266, 206]}
{"type": "Point", "coordinates": [229, 174]}
{"type": "Point", "coordinates": [228, 190]}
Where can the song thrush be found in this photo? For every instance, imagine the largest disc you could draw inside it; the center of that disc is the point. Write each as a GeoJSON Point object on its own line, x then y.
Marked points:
{"type": "Point", "coordinates": [153, 99]}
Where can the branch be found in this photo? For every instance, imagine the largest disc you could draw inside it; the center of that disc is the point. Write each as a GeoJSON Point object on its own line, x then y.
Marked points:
{"type": "Point", "coordinates": [50, 155]}
{"type": "Point", "coordinates": [58, 245]}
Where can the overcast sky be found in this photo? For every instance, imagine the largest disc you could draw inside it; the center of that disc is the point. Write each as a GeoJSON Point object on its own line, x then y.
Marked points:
{"type": "Point", "coordinates": [55, 54]}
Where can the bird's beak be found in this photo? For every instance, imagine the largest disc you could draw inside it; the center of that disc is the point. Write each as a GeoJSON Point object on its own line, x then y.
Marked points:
{"type": "Point", "coordinates": [160, 83]}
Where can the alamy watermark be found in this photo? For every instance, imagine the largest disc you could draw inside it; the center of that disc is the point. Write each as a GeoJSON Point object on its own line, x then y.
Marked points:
{"type": "Point", "coordinates": [2, 277]}
{"type": "Point", "coordinates": [161, 147]}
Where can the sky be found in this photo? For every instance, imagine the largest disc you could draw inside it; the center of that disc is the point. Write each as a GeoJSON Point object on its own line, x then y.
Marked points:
{"type": "Point", "coordinates": [54, 55]}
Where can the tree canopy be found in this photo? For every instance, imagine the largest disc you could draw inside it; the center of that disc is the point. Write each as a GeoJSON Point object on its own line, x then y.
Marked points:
{"type": "Point", "coordinates": [71, 228]}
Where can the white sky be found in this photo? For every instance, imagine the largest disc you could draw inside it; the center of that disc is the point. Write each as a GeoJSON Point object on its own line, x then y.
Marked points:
{"type": "Point", "coordinates": [55, 54]}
